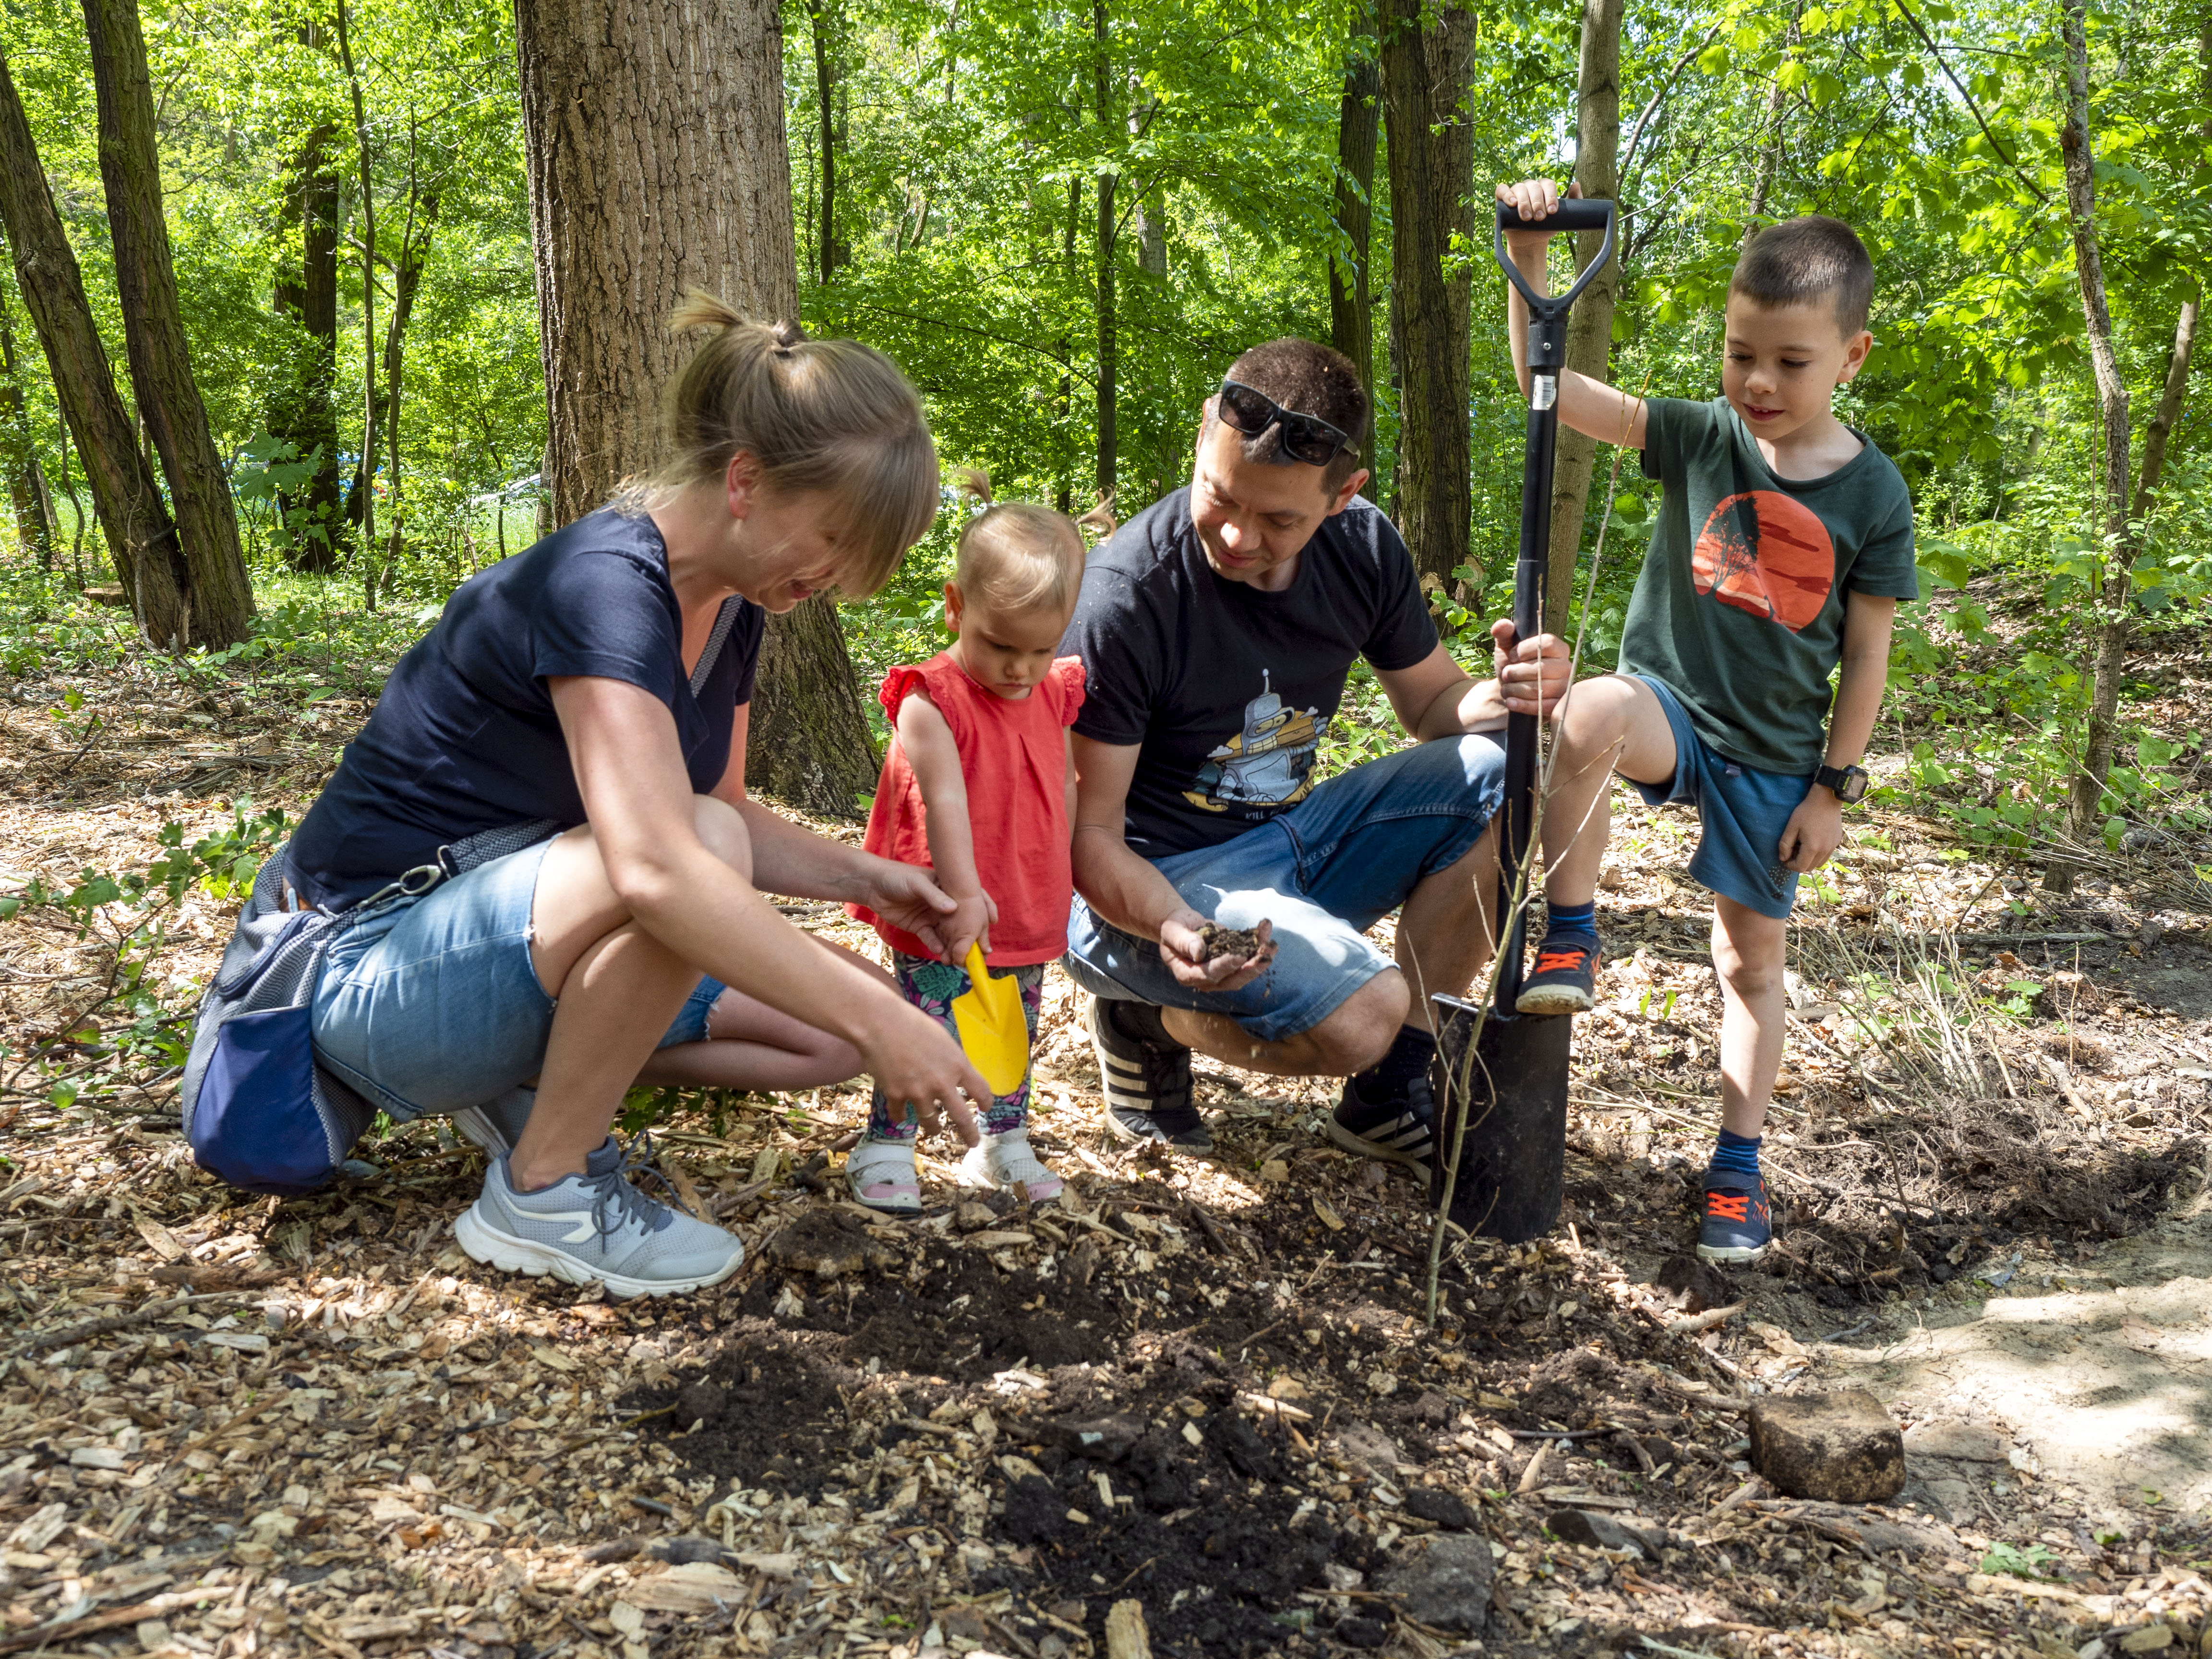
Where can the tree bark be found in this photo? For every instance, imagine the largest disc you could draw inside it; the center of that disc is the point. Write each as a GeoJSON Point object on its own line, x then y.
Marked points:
{"type": "Point", "coordinates": [219, 608]}
{"type": "Point", "coordinates": [2112, 629]}
{"type": "Point", "coordinates": [365, 474]}
{"type": "Point", "coordinates": [27, 484]}
{"type": "Point", "coordinates": [655, 140]}
{"type": "Point", "coordinates": [1589, 328]}
{"type": "Point", "coordinates": [1351, 305]}
{"type": "Point", "coordinates": [141, 537]}
{"type": "Point", "coordinates": [299, 410]}
{"type": "Point", "coordinates": [1431, 161]}
{"type": "Point", "coordinates": [1108, 322]}
{"type": "Point", "coordinates": [1770, 149]}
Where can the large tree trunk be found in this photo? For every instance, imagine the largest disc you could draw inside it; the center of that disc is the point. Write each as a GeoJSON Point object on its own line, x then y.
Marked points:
{"type": "Point", "coordinates": [142, 539]}
{"type": "Point", "coordinates": [2111, 633]}
{"type": "Point", "coordinates": [1432, 169]}
{"type": "Point", "coordinates": [1351, 305]}
{"type": "Point", "coordinates": [655, 132]}
{"type": "Point", "coordinates": [19, 456]}
{"type": "Point", "coordinates": [1590, 329]}
{"type": "Point", "coordinates": [220, 598]}
{"type": "Point", "coordinates": [299, 410]}
{"type": "Point", "coordinates": [1108, 322]}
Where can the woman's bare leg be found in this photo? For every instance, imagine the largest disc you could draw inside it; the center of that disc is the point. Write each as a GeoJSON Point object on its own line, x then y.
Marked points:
{"type": "Point", "coordinates": [616, 989]}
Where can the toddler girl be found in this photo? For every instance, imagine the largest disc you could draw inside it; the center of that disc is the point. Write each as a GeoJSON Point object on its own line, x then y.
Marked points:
{"type": "Point", "coordinates": [980, 785]}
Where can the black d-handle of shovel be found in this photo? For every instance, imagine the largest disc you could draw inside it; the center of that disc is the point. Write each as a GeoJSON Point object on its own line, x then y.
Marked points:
{"type": "Point", "coordinates": [1548, 355]}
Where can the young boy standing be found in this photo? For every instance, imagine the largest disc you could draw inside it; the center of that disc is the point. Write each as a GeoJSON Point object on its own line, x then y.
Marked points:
{"type": "Point", "coordinates": [1784, 543]}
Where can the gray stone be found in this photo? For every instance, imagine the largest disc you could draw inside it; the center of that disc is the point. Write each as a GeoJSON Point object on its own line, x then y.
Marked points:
{"type": "Point", "coordinates": [1968, 1443]}
{"type": "Point", "coordinates": [1597, 1531]}
{"type": "Point", "coordinates": [1445, 1582]}
{"type": "Point", "coordinates": [1956, 1496]}
{"type": "Point", "coordinates": [685, 1548]}
{"type": "Point", "coordinates": [1368, 1447]}
{"type": "Point", "coordinates": [1841, 1448]}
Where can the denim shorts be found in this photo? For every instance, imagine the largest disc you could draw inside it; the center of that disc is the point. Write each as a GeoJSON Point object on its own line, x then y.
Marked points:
{"type": "Point", "coordinates": [429, 1003]}
{"type": "Point", "coordinates": [1742, 812]}
{"type": "Point", "coordinates": [1323, 873]}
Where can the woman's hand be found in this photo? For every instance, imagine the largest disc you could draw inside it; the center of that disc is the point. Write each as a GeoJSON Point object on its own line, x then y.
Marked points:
{"type": "Point", "coordinates": [916, 1063]}
{"type": "Point", "coordinates": [1534, 199]}
{"type": "Point", "coordinates": [907, 896]}
{"type": "Point", "coordinates": [1182, 948]}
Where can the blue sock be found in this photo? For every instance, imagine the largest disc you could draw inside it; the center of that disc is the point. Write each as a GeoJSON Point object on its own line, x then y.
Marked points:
{"type": "Point", "coordinates": [1736, 1155]}
{"type": "Point", "coordinates": [1579, 919]}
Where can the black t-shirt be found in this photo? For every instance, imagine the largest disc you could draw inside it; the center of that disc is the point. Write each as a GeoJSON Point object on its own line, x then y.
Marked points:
{"type": "Point", "coordinates": [1227, 690]}
{"type": "Point", "coordinates": [464, 738]}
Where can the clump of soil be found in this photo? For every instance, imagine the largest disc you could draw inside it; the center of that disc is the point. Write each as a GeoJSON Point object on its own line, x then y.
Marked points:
{"type": "Point", "coordinates": [1219, 941]}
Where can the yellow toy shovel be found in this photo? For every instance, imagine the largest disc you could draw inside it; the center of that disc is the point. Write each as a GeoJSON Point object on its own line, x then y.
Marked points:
{"type": "Point", "coordinates": [993, 1029]}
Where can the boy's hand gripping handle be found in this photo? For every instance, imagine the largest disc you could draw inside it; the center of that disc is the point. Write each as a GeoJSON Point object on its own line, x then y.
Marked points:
{"type": "Point", "coordinates": [1547, 314]}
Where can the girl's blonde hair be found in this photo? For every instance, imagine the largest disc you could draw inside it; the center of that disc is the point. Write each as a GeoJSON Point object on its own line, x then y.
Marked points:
{"type": "Point", "coordinates": [832, 417]}
{"type": "Point", "coordinates": [1016, 555]}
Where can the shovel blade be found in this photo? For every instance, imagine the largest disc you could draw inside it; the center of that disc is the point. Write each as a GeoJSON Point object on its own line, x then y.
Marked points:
{"type": "Point", "coordinates": [995, 1033]}
{"type": "Point", "coordinates": [1510, 1084]}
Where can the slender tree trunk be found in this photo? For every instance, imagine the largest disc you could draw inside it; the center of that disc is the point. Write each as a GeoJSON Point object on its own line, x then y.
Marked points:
{"type": "Point", "coordinates": [77, 513]}
{"type": "Point", "coordinates": [1109, 323]}
{"type": "Point", "coordinates": [19, 456]}
{"type": "Point", "coordinates": [1590, 329]}
{"type": "Point", "coordinates": [1351, 307]}
{"type": "Point", "coordinates": [365, 496]}
{"type": "Point", "coordinates": [1064, 404]}
{"type": "Point", "coordinates": [825, 87]}
{"type": "Point", "coordinates": [1431, 170]}
{"type": "Point", "coordinates": [631, 205]}
{"type": "Point", "coordinates": [141, 537]}
{"type": "Point", "coordinates": [414, 252]}
{"type": "Point", "coordinates": [2120, 545]}
{"type": "Point", "coordinates": [220, 598]}
{"type": "Point", "coordinates": [1770, 149]}
{"type": "Point", "coordinates": [299, 410]}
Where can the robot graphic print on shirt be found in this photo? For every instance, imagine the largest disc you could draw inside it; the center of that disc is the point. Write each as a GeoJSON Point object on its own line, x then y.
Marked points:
{"type": "Point", "coordinates": [1269, 763]}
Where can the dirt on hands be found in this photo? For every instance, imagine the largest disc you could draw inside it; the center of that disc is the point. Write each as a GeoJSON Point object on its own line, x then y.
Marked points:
{"type": "Point", "coordinates": [1238, 944]}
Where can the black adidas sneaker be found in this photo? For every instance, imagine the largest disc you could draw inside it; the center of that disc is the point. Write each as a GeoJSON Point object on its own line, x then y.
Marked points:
{"type": "Point", "coordinates": [1399, 1131]}
{"type": "Point", "coordinates": [1147, 1086]}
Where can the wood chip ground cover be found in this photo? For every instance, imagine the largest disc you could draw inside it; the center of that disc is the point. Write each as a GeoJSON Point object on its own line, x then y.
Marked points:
{"type": "Point", "coordinates": [231, 1425]}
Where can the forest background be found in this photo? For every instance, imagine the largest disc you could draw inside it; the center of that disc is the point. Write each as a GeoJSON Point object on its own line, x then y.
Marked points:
{"type": "Point", "coordinates": [1064, 223]}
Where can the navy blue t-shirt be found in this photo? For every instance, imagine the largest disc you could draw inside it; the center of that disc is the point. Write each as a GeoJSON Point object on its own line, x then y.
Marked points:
{"type": "Point", "coordinates": [1227, 691]}
{"type": "Point", "coordinates": [465, 738]}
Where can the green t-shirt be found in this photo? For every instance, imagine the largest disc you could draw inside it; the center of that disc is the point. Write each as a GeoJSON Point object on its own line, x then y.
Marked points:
{"type": "Point", "coordinates": [1739, 610]}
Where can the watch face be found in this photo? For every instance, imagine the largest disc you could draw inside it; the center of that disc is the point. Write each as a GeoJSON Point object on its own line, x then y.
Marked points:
{"type": "Point", "coordinates": [1855, 786]}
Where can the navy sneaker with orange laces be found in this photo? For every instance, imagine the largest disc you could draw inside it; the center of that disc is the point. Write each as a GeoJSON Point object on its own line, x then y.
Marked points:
{"type": "Point", "coordinates": [1738, 1224]}
{"type": "Point", "coordinates": [1565, 979]}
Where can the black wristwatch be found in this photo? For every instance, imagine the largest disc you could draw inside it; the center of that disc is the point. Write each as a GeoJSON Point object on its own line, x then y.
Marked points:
{"type": "Point", "coordinates": [1847, 783]}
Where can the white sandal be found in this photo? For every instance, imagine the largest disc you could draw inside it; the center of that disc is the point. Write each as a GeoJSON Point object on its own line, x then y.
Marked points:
{"type": "Point", "coordinates": [1001, 1160]}
{"type": "Point", "coordinates": [881, 1175]}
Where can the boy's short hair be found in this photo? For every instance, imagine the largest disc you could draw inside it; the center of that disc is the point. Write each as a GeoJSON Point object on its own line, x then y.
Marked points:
{"type": "Point", "coordinates": [1306, 378]}
{"type": "Point", "coordinates": [1802, 261]}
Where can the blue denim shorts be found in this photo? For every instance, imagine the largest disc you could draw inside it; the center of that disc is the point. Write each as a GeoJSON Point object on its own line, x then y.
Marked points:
{"type": "Point", "coordinates": [429, 1004]}
{"type": "Point", "coordinates": [1323, 873]}
{"type": "Point", "coordinates": [1741, 810]}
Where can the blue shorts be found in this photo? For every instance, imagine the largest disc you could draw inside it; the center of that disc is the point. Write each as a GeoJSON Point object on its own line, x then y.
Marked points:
{"type": "Point", "coordinates": [1323, 873]}
{"type": "Point", "coordinates": [1743, 812]}
{"type": "Point", "coordinates": [428, 1003]}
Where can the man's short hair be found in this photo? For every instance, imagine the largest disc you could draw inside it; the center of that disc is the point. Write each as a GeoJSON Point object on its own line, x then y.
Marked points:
{"type": "Point", "coordinates": [1802, 261]}
{"type": "Point", "coordinates": [1306, 377]}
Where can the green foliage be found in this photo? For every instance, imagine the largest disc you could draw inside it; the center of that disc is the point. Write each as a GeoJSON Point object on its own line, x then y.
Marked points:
{"type": "Point", "coordinates": [2028, 1561]}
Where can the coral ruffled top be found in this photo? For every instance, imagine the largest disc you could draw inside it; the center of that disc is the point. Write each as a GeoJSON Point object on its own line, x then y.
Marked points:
{"type": "Point", "coordinates": [1013, 756]}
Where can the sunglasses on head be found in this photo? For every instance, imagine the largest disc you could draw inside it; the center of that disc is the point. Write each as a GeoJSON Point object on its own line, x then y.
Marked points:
{"type": "Point", "coordinates": [1306, 438]}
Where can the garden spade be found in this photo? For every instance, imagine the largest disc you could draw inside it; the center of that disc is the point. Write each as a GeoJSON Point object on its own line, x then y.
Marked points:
{"type": "Point", "coordinates": [1504, 1073]}
{"type": "Point", "coordinates": [993, 1029]}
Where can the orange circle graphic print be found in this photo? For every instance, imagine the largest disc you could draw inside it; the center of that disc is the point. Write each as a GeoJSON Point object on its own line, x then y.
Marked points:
{"type": "Point", "coordinates": [1766, 553]}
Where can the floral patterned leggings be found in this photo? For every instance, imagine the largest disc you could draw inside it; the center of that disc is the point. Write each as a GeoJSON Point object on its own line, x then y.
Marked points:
{"type": "Point", "coordinates": [933, 986]}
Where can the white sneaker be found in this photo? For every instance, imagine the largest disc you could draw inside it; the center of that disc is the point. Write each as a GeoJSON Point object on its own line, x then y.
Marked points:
{"type": "Point", "coordinates": [1001, 1160]}
{"type": "Point", "coordinates": [882, 1175]}
{"type": "Point", "coordinates": [596, 1228]}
